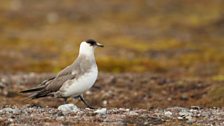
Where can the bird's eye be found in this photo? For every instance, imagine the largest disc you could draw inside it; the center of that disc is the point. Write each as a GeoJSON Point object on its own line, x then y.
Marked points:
{"type": "Point", "coordinates": [91, 42]}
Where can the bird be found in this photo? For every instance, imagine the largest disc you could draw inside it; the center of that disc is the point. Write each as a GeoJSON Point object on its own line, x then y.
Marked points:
{"type": "Point", "coordinates": [74, 79]}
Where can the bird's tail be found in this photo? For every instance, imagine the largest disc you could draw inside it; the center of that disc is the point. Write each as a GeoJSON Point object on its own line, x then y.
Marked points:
{"type": "Point", "coordinates": [42, 93]}
{"type": "Point", "coordinates": [38, 88]}
{"type": "Point", "coordinates": [32, 90]}
{"type": "Point", "coordinates": [37, 92]}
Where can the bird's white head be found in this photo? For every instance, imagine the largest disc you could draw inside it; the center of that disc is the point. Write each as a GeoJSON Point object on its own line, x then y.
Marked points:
{"type": "Point", "coordinates": [87, 47]}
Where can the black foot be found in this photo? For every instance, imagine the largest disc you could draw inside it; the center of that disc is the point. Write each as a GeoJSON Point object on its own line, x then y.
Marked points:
{"type": "Point", "coordinates": [83, 100]}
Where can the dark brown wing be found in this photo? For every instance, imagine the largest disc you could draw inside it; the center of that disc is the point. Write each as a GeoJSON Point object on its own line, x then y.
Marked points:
{"type": "Point", "coordinates": [45, 82]}
{"type": "Point", "coordinates": [66, 71]}
{"type": "Point", "coordinates": [55, 84]}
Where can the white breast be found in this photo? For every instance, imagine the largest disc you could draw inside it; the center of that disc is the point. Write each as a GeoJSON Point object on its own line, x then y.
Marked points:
{"type": "Point", "coordinates": [79, 85]}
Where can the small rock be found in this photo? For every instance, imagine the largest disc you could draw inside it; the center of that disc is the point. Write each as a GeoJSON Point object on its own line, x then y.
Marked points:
{"type": "Point", "coordinates": [104, 102]}
{"type": "Point", "coordinates": [10, 110]}
{"type": "Point", "coordinates": [196, 107]}
{"type": "Point", "coordinates": [193, 110]}
{"type": "Point", "coordinates": [146, 123]}
{"type": "Point", "coordinates": [185, 113]}
{"type": "Point", "coordinates": [180, 118]}
{"type": "Point", "coordinates": [184, 97]}
{"type": "Point", "coordinates": [189, 119]}
{"type": "Point", "coordinates": [88, 92]}
{"type": "Point", "coordinates": [132, 113]}
{"type": "Point", "coordinates": [2, 85]}
{"type": "Point", "coordinates": [101, 111]}
{"type": "Point", "coordinates": [60, 118]}
{"type": "Point", "coordinates": [169, 99]}
{"type": "Point", "coordinates": [168, 113]}
{"type": "Point", "coordinates": [10, 120]}
{"type": "Point", "coordinates": [68, 108]}
{"type": "Point", "coordinates": [122, 109]}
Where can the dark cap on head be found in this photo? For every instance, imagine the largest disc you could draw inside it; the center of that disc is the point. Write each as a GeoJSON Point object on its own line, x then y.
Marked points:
{"type": "Point", "coordinates": [92, 42]}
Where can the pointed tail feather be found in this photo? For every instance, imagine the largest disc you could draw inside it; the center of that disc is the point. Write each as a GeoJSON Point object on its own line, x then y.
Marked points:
{"type": "Point", "coordinates": [38, 88]}
{"type": "Point", "coordinates": [42, 93]}
{"type": "Point", "coordinates": [32, 90]}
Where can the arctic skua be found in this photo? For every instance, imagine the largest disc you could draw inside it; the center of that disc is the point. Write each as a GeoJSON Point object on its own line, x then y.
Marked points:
{"type": "Point", "coordinates": [75, 79]}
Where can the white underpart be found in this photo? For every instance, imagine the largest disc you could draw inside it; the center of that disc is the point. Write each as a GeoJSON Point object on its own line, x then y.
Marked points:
{"type": "Point", "coordinates": [81, 84]}
{"type": "Point", "coordinates": [77, 86]}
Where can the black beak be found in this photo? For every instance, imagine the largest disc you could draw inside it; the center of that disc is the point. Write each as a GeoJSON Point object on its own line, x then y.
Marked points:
{"type": "Point", "coordinates": [99, 45]}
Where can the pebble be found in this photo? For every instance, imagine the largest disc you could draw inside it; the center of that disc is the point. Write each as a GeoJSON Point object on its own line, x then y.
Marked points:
{"type": "Point", "coordinates": [2, 85]}
{"type": "Point", "coordinates": [180, 118]}
{"type": "Point", "coordinates": [88, 92]}
{"type": "Point", "coordinates": [10, 120]}
{"type": "Point", "coordinates": [123, 109]}
{"type": "Point", "coordinates": [190, 119]}
{"type": "Point", "coordinates": [101, 111]}
{"type": "Point", "coordinates": [10, 110]}
{"type": "Point", "coordinates": [104, 102]}
{"type": "Point", "coordinates": [132, 113]}
{"type": "Point", "coordinates": [168, 113]}
{"type": "Point", "coordinates": [185, 113]}
{"type": "Point", "coordinates": [68, 108]}
{"type": "Point", "coordinates": [195, 107]}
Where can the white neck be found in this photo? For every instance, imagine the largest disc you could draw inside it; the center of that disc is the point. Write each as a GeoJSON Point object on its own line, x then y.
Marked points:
{"type": "Point", "coordinates": [86, 49]}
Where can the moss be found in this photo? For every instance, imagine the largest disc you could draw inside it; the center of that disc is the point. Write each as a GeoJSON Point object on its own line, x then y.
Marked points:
{"type": "Point", "coordinates": [218, 78]}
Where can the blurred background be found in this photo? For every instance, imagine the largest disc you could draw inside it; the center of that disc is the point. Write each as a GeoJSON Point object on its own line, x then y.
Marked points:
{"type": "Point", "coordinates": [181, 38]}
{"type": "Point", "coordinates": [161, 36]}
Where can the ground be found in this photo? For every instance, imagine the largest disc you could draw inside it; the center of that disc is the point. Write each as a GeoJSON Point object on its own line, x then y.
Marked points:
{"type": "Point", "coordinates": [31, 115]}
{"type": "Point", "coordinates": [130, 98]}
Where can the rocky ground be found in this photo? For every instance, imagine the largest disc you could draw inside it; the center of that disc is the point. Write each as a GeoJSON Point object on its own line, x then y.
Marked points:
{"type": "Point", "coordinates": [35, 115]}
{"type": "Point", "coordinates": [128, 98]}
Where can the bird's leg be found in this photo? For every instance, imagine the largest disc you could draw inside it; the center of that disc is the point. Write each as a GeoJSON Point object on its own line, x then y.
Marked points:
{"type": "Point", "coordinates": [65, 100]}
{"type": "Point", "coordinates": [83, 100]}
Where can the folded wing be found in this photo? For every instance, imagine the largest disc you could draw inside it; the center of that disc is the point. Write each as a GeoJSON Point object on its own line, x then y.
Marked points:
{"type": "Point", "coordinates": [47, 87]}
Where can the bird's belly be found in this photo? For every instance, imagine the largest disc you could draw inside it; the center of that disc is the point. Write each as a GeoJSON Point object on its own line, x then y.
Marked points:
{"type": "Point", "coordinates": [78, 86]}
